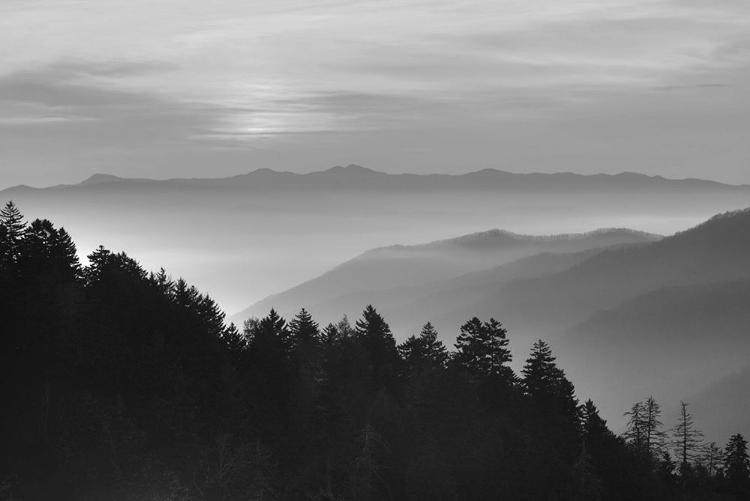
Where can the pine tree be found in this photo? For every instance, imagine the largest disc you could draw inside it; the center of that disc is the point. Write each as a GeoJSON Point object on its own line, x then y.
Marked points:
{"type": "Point", "coordinates": [270, 333]}
{"type": "Point", "coordinates": [712, 457]}
{"type": "Point", "coordinates": [737, 461]}
{"type": "Point", "coordinates": [546, 383]}
{"type": "Point", "coordinates": [687, 442]}
{"type": "Point", "coordinates": [303, 328]}
{"type": "Point", "coordinates": [234, 340]}
{"type": "Point", "coordinates": [634, 432]}
{"type": "Point", "coordinates": [644, 433]}
{"type": "Point", "coordinates": [13, 227]}
{"type": "Point", "coordinates": [654, 435]}
{"type": "Point", "coordinates": [376, 337]}
{"type": "Point", "coordinates": [425, 352]}
{"type": "Point", "coordinates": [587, 486]}
{"type": "Point", "coordinates": [593, 426]}
{"type": "Point", "coordinates": [482, 350]}
{"type": "Point", "coordinates": [644, 429]}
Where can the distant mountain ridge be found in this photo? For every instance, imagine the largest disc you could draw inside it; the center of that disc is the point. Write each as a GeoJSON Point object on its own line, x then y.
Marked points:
{"type": "Point", "coordinates": [400, 265]}
{"type": "Point", "coordinates": [355, 177]}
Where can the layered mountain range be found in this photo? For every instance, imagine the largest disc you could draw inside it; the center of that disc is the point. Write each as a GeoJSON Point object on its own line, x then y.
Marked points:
{"type": "Point", "coordinates": [628, 314]}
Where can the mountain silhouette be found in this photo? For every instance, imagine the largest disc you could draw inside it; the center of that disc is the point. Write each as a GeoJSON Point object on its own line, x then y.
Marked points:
{"type": "Point", "coordinates": [388, 268]}
{"type": "Point", "coordinates": [355, 177]}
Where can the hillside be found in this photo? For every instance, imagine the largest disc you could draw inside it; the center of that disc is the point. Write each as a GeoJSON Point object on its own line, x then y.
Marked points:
{"type": "Point", "coordinates": [668, 342]}
{"type": "Point", "coordinates": [717, 250]}
{"type": "Point", "coordinates": [376, 273]}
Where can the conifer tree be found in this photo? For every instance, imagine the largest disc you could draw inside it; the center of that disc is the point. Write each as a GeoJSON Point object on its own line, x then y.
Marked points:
{"type": "Point", "coordinates": [234, 340]}
{"type": "Point", "coordinates": [712, 458]}
{"type": "Point", "coordinates": [737, 461]}
{"type": "Point", "coordinates": [13, 226]}
{"type": "Point", "coordinates": [376, 337]}
{"type": "Point", "coordinates": [635, 428]}
{"type": "Point", "coordinates": [546, 383]}
{"type": "Point", "coordinates": [303, 328]}
{"type": "Point", "coordinates": [482, 350]}
{"type": "Point", "coordinates": [644, 431]}
{"type": "Point", "coordinates": [654, 436]}
{"type": "Point", "coordinates": [423, 352]}
{"type": "Point", "coordinates": [687, 442]}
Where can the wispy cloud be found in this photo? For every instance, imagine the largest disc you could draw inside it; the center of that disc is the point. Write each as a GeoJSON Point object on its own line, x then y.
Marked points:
{"type": "Point", "coordinates": [204, 71]}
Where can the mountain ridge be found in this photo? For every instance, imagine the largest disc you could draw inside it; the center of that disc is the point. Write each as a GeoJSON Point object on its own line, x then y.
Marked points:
{"type": "Point", "coordinates": [395, 266]}
{"type": "Point", "coordinates": [357, 177]}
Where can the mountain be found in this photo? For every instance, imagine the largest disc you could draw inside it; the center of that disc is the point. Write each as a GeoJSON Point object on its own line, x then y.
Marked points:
{"type": "Point", "coordinates": [375, 274]}
{"type": "Point", "coordinates": [667, 342]}
{"type": "Point", "coordinates": [717, 250]}
{"type": "Point", "coordinates": [358, 178]}
{"type": "Point", "coordinates": [244, 237]}
{"type": "Point", "coordinates": [722, 409]}
{"type": "Point", "coordinates": [662, 317]}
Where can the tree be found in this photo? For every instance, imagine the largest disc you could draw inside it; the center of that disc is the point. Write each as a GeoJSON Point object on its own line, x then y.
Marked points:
{"type": "Point", "coordinates": [593, 426]}
{"type": "Point", "coordinates": [711, 458]}
{"type": "Point", "coordinates": [737, 461]}
{"type": "Point", "coordinates": [303, 328]}
{"type": "Point", "coordinates": [425, 352]}
{"type": "Point", "coordinates": [268, 375]}
{"type": "Point", "coordinates": [376, 337]}
{"type": "Point", "coordinates": [544, 381]}
{"type": "Point", "coordinates": [587, 486]}
{"type": "Point", "coordinates": [644, 429]}
{"type": "Point", "coordinates": [482, 350]}
{"type": "Point", "coordinates": [654, 436]}
{"type": "Point", "coordinates": [687, 441]}
{"type": "Point", "coordinates": [367, 481]}
{"type": "Point", "coordinates": [13, 226]}
{"type": "Point", "coordinates": [235, 341]}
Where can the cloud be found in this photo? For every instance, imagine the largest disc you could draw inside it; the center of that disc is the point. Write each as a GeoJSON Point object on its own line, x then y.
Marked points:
{"type": "Point", "coordinates": [145, 78]}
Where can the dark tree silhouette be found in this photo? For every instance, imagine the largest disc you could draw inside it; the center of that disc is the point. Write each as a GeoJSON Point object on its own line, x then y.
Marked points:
{"type": "Point", "coordinates": [737, 466]}
{"type": "Point", "coordinates": [644, 431]}
{"type": "Point", "coordinates": [687, 442]}
{"type": "Point", "coordinates": [378, 341]}
{"type": "Point", "coordinates": [482, 350]}
{"type": "Point", "coordinates": [425, 352]}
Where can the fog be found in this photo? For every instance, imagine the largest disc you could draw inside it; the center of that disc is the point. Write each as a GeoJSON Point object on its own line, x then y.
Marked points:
{"type": "Point", "coordinates": [242, 247]}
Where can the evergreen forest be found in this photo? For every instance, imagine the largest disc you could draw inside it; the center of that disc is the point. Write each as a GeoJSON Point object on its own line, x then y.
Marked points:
{"type": "Point", "coordinates": [123, 384]}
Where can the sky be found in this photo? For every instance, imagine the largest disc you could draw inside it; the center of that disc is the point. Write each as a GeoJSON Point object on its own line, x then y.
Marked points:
{"type": "Point", "coordinates": [168, 88]}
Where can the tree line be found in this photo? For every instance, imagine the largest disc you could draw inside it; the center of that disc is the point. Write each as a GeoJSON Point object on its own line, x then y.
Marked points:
{"type": "Point", "coordinates": [118, 383]}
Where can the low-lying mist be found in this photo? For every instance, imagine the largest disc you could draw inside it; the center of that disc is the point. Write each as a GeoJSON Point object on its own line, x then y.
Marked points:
{"type": "Point", "coordinates": [241, 248]}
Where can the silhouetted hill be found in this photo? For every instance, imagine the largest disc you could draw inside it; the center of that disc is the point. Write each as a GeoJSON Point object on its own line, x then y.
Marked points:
{"type": "Point", "coordinates": [355, 177]}
{"type": "Point", "coordinates": [376, 273]}
{"type": "Point", "coordinates": [666, 342]}
{"type": "Point", "coordinates": [722, 408]}
{"type": "Point", "coordinates": [717, 250]}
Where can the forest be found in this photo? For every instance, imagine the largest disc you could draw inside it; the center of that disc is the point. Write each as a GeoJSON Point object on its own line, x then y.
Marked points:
{"type": "Point", "coordinates": [120, 383]}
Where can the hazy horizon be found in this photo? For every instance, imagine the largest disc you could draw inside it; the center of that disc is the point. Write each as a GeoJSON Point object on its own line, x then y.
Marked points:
{"type": "Point", "coordinates": [208, 176]}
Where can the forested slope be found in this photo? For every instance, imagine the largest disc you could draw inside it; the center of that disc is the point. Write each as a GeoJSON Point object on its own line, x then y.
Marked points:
{"type": "Point", "coordinates": [123, 384]}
